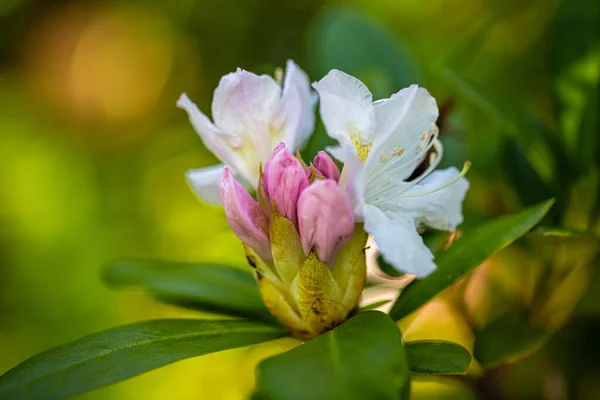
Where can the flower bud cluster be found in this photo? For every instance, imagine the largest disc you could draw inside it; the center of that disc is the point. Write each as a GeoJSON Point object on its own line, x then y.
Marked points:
{"type": "Point", "coordinates": [301, 238]}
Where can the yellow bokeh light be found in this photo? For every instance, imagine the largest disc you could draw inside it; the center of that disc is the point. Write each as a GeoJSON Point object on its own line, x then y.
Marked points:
{"type": "Point", "coordinates": [104, 66]}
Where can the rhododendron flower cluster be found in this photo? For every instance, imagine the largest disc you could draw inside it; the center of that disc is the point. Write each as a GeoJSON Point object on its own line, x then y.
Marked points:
{"type": "Point", "coordinates": [306, 229]}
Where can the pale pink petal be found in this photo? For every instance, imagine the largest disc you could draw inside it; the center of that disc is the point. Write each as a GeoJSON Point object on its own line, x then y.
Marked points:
{"type": "Point", "coordinates": [297, 107]}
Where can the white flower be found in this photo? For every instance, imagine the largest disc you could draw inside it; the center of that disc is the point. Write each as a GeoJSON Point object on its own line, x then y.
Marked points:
{"type": "Point", "coordinates": [251, 115]}
{"type": "Point", "coordinates": [381, 144]}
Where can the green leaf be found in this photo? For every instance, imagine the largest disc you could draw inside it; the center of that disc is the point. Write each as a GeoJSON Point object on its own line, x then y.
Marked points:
{"type": "Point", "coordinates": [508, 339]}
{"type": "Point", "coordinates": [373, 306]}
{"type": "Point", "coordinates": [213, 288]}
{"type": "Point", "coordinates": [436, 241]}
{"type": "Point", "coordinates": [120, 353]}
{"type": "Point", "coordinates": [388, 269]}
{"type": "Point", "coordinates": [561, 232]}
{"type": "Point", "coordinates": [361, 359]}
{"type": "Point", "coordinates": [440, 387]}
{"type": "Point", "coordinates": [437, 357]}
{"type": "Point", "coordinates": [465, 254]}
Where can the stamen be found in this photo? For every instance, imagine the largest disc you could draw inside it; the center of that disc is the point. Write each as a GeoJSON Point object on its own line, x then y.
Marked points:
{"type": "Point", "coordinates": [383, 158]}
{"type": "Point", "coordinates": [383, 168]}
{"type": "Point", "coordinates": [398, 151]}
{"type": "Point", "coordinates": [362, 149]}
{"type": "Point", "coordinates": [464, 171]}
{"type": "Point", "coordinates": [425, 135]}
{"type": "Point", "coordinates": [278, 75]}
{"type": "Point", "coordinates": [236, 142]}
{"type": "Point", "coordinates": [434, 129]}
{"type": "Point", "coordinates": [434, 160]}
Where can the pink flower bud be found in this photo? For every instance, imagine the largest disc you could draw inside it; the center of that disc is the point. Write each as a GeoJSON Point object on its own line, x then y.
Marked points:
{"type": "Point", "coordinates": [325, 218]}
{"type": "Point", "coordinates": [326, 166]}
{"type": "Point", "coordinates": [284, 179]}
{"type": "Point", "coordinates": [245, 217]}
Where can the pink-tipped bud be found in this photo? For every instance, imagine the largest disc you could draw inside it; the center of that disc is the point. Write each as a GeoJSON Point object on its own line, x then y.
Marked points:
{"type": "Point", "coordinates": [325, 218]}
{"type": "Point", "coordinates": [284, 179]}
{"type": "Point", "coordinates": [245, 217]}
{"type": "Point", "coordinates": [326, 166]}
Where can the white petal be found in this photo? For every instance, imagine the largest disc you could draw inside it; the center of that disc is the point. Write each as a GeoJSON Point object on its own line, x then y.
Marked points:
{"type": "Point", "coordinates": [398, 240]}
{"type": "Point", "coordinates": [338, 152]}
{"type": "Point", "coordinates": [246, 104]}
{"type": "Point", "coordinates": [205, 183]}
{"type": "Point", "coordinates": [352, 178]}
{"type": "Point", "coordinates": [213, 138]}
{"type": "Point", "coordinates": [441, 209]}
{"type": "Point", "coordinates": [346, 107]}
{"type": "Point", "coordinates": [400, 142]}
{"type": "Point", "coordinates": [297, 107]}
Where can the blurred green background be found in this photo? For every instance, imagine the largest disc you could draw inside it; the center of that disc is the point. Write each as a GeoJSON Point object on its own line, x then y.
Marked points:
{"type": "Point", "coordinates": [94, 151]}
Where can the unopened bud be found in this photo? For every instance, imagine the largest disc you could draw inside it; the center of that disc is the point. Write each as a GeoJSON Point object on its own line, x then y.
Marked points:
{"type": "Point", "coordinates": [245, 217]}
{"type": "Point", "coordinates": [326, 166]}
{"type": "Point", "coordinates": [325, 219]}
{"type": "Point", "coordinates": [284, 179]}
